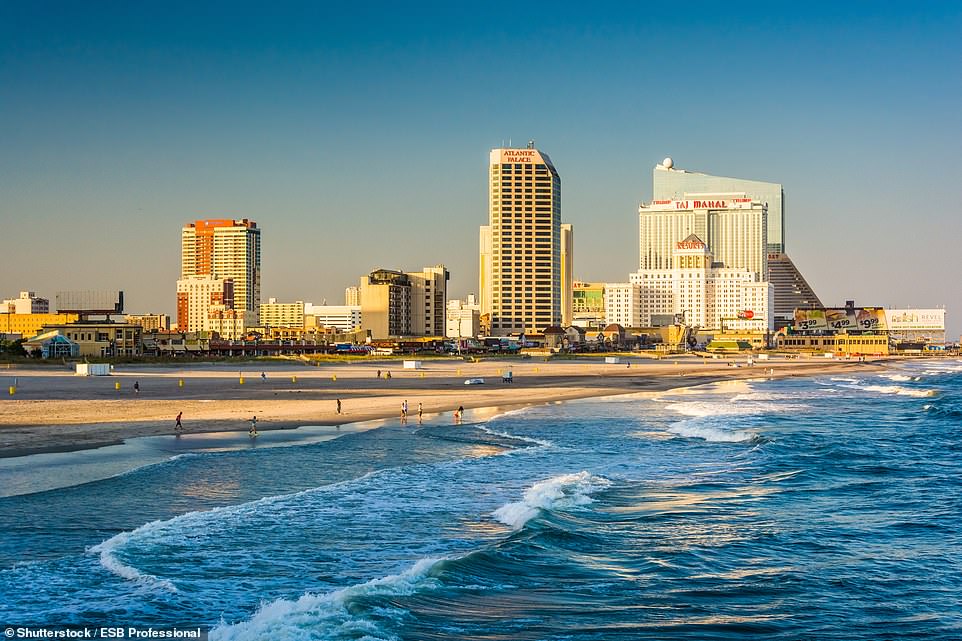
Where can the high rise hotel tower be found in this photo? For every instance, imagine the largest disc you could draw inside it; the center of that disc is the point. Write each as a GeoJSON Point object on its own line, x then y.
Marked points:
{"type": "Point", "coordinates": [220, 268]}
{"type": "Point", "coordinates": [791, 288]}
{"type": "Point", "coordinates": [526, 256]}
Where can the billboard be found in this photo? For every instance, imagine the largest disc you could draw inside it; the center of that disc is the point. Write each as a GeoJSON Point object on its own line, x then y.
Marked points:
{"type": "Point", "coordinates": [91, 302]}
{"type": "Point", "coordinates": [915, 319]}
{"type": "Point", "coordinates": [810, 319]}
{"type": "Point", "coordinates": [841, 319]}
{"type": "Point", "coordinates": [871, 319]}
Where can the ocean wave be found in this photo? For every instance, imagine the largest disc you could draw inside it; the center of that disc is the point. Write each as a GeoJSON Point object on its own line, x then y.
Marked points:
{"type": "Point", "coordinates": [567, 490]}
{"type": "Point", "coordinates": [741, 407]}
{"type": "Point", "coordinates": [759, 397]}
{"type": "Point", "coordinates": [527, 439]}
{"type": "Point", "coordinates": [161, 530]}
{"type": "Point", "coordinates": [328, 616]}
{"type": "Point", "coordinates": [896, 377]}
{"type": "Point", "coordinates": [899, 390]}
{"type": "Point", "coordinates": [693, 429]}
{"type": "Point", "coordinates": [112, 564]}
{"type": "Point", "coordinates": [512, 412]}
{"type": "Point", "coordinates": [940, 410]}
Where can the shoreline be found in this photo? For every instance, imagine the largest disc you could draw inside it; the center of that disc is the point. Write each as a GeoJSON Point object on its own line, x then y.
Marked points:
{"type": "Point", "coordinates": [79, 423]}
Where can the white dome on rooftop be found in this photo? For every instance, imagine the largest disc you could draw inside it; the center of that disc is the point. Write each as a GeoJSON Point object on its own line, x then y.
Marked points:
{"type": "Point", "coordinates": [667, 163]}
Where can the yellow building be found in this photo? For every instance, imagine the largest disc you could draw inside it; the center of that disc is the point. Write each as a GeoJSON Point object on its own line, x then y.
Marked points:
{"type": "Point", "coordinates": [29, 325]}
{"type": "Point", "coordinates": [150, 322]}
{"type": "Point", "coordinates": [758, 340]}
{"type": "Point", "coordinates": [102, 339]}
{"type": "Point", "coordinates": [274, 314]}
{"type": "Point", "coordinates": [839, 344]}
{"type": "Point", "coordinates": [395, 303]}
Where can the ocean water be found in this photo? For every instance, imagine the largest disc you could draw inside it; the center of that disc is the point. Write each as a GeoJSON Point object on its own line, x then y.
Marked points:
{"type": "Point", "coordinates": [811, 508]}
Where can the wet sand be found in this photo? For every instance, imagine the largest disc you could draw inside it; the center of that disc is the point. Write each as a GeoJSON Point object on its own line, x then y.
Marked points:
{"type": "Point", "coordinates": [56, 411]}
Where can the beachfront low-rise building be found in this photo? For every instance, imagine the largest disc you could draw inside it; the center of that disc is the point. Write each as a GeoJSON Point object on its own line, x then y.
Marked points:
{"type": "Point", "coordinates": [150, 322]}
{"type": "Point", "coordinates": [396, 303]}
{"type": "Point", "coordinates": [343, 318]}
{"type": "Point", "coordinates": [840, 344]}
{"type": "Point", "coordinates": [26, 303]}
{"type": "Point", "coordinates": [850, 329]}
{"type": "Point", "coordinates": [463, 318]}
{"type": "Point", "coordinates": [96, 339]}
{"type": "Point", "coordinates": [588, 305]}
{"type": "Point", "coordinates": [623, 304]}
{"type": "Point", "coordinates": [274, 314]}
{"type": "Point", "coordinates": [29, 325]}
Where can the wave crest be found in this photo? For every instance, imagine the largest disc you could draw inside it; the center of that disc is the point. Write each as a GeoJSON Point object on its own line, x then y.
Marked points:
{"type": "Point", "coordinates": [691, 429]}
{"type": "Point", "coordinates": [110, 562]}
{"type": "Point", "coordinates": [327, 616]}
{"type": "Point", "coordinates": [567, 490]}
{"type": "Point", "coordinates": [899, 390]}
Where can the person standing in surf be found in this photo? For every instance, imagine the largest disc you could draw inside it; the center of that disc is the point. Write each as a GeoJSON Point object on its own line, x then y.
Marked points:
{"type": "Point", "coordinates": [177, 424]}
{"type": "Point", "coordinates": [253, 429]}
{"type": "Point", "coordinates": [420, 413]}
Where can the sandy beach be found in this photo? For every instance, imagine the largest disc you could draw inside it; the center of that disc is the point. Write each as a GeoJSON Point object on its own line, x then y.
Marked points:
{"type": "Point", "coordinates": [54, 410]}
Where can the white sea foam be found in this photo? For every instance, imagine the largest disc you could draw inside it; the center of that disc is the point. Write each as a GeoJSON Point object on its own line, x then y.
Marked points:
{"type": "Point", "coordinates": [757, 397]}
{"type": "Point", "coordinates": [512, 412]}
{"type": "Point", "coordinates": [896, 377]}
{"type": "Point", "coordinates": [559, 492]}
{"type": "Point", "coordinates": [901, 391]}
{"type": "Point", "coordinates": [164, 530]}
{"type": "Point", "coordinates": [327, 616]}
{"type": "Point", "coordinates": [114, 565]}
{"type": "Point", "coordinates": [740, 405]}
{"type": "Point", "coordinates": [527, 439]}
{"type": "Point", "coordinates": [694, 429]}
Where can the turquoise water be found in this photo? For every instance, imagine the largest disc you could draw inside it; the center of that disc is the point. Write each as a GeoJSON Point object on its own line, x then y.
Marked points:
{"type": "Point", "coordinates": [820, 508]}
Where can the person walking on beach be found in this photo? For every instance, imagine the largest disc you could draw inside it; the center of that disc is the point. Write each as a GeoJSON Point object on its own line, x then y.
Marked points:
{"type": "Point", "coordinates": [388, 375]}
{"type": "Point", "coordinates": [177, 425]}
{"type": "Point", "coordinates": [136, 387]}
{"type": "Point", "coordinates": [263, 376]}
{"type": "Point", "coordinates": [458, 413]}
{"type": "Point", "coordinates": [338, 406]}
{"type": "Point", "coordinates": [253, 429]}
{"type": "Point", "coordinates": [420, 413]}
{"type": "Point", "coordinates": [379, 373]}
{"type": "Point", "coordinates": [404, 413]}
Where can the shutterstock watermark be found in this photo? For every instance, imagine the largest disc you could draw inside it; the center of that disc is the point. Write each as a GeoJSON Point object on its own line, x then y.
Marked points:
{"type": "Point", "coordinates": [103, 632]}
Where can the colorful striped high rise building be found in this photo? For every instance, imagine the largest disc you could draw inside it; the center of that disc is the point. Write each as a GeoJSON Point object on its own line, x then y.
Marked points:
{"type": "Point", "coordinates": [223, 258]}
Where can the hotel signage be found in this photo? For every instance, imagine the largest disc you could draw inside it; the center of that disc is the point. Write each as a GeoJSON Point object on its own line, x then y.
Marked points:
{"type": "Point", "coordinates": [519, 155]}
{"type": "Point", "coordinates": [690, 204]}
{"type": "Point", "coordinates": [701, 204]}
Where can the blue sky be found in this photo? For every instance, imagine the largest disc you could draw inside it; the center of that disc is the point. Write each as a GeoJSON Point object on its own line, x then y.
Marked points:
{"type": "Point", "coordinates": [358, 137]}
